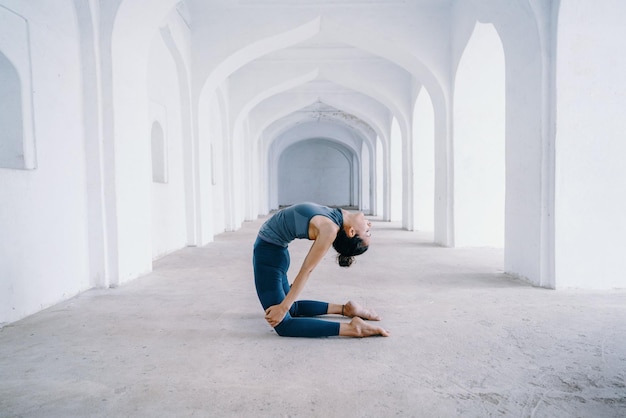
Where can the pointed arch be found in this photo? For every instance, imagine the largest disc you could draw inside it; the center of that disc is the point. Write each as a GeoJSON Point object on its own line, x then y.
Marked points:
{"type": "Point", "coordinates": [479, 171]}
{"type": "Point", "coordinates": [424, 159]}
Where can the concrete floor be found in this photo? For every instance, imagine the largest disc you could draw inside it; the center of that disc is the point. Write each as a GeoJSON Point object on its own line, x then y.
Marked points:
{"type": "Point", "coordinates": [190, 340]}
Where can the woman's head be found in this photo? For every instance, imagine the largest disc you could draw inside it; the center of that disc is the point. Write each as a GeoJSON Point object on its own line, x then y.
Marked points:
{"type": "Point", "coordinates": [348, 247]}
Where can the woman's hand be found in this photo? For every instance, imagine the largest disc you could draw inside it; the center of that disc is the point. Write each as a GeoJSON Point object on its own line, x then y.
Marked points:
{"type": "Point", "coordinates": [275, 314]}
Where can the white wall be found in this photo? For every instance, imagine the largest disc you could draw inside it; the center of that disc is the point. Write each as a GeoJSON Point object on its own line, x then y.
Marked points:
{"type": "Point", "coordinates": [224, 191]}
{"type": "Point", "coordinates": [591, 145]}
{"type": "Point", "coordinates": [424, 161]}
{"type": "Point", "coordinates": [216, 166]}
{"type": "Point", "coordinates": [168, 198]}
{"type": "Point", "coordinates": [380, 177]}
{"type": "Point", "coordinates": [314, 171]}
{"type": "Point", "coordinates": [44, 249]}
{"type": "Point", "coordinates": [395, 182]}
{"type": "Point", "coordinates": [366, 193]}
{"type": "Point", "coordinates": [136, 23]}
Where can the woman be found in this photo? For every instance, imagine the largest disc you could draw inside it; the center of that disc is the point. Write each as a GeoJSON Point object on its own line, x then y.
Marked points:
{"type": "Point", "coordinates": [347, 232]}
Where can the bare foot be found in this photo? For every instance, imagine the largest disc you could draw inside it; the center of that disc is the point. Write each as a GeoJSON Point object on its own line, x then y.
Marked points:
{"type": "Point", "coordinates": [359, 328]}
{"type": "Point", "coordinates": [353, 309]}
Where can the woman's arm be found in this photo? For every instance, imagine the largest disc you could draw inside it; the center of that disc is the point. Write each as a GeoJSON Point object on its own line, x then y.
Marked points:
{"type": "Point", "coordinates": [326, 232]}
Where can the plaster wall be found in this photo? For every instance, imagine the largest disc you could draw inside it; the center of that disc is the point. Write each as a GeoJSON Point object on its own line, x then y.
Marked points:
{"type": "Point", "coordinates": [133, 176]}
{"type": "Point", "coordinates": [168, 198]}
{"type": "Point", "coordinates": [380, 178]}
{"type": "Point", "coordinates": [212, 176]}
{"type": "Point", "coordinates": [216, 165]}
{"type": "Point", "coordinates": [395, 152]}
{"type": "Point", "coordinates": [525, 205]}
{"type": "Point", "coordinates": [424, 160]}
{"type": "Point", "coordinates": [176, 36]}
{"type": "Point", "coordinates": [316, 171]}
{"type": "Point", "coordinates": [44, 249]}
{"type": "Point", "coordinates": [590, 142]}
{"type": "Point", "coordinates": [366, 203]}
{"type": "Point", "coordinates": [233, 161]}
{"type": "Point", "coordinates": [206, 225]}
{"type": "Point", "coordinates": [136, 24]}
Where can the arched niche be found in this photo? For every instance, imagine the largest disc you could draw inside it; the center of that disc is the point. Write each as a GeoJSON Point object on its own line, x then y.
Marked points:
{"type": "Point", "coordinates": [338, 133]}
{"type": "Point", "coordinates": [17, 138]}
{"type": "Point", "coordinates": [11, 118]}
{"type": "Point", "coordinates": [159, 155]}
{"type": "Point", "coordinates": [317, 170]}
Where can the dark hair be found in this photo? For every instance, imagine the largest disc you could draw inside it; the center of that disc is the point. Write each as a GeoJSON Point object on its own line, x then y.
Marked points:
{"type": "Point", "coordinates": [348, 247]}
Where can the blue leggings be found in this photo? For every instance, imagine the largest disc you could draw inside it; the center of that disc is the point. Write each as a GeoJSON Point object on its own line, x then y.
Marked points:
{"type": "Point", "coordinates": [271, 263]}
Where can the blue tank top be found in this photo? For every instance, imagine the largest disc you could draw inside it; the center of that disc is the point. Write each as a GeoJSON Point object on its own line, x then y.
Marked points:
{"type": "Point", "coordinates": [293, 222]}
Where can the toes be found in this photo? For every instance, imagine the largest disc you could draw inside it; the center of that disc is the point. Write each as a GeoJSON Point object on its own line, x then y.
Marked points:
{"type": "Point", "coordinates": [363, 329]}
{"type": "Point", "coordinates": [369, 315]}
{"type": "Point", "coordinates": [354, 310]}
{"type": "Point", "coordinates": [373, 316]}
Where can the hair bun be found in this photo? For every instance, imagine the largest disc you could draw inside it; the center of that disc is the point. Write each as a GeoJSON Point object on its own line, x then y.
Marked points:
{"type": "Point", "coordinates": [345, 260]}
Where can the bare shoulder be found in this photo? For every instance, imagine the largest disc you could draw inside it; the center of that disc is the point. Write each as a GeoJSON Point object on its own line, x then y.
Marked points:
{"type": "Point", "coordinates": [322, 221]}
{"type": "Point", "coordinates": [321, 226]}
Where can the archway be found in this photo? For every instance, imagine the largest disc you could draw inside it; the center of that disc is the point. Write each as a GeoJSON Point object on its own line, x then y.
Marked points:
{"type": "Point", "coordinates": [424, 162]}
{"type": "Point", "coordinates": [317, 170]}
{"type": "Point", "coordinates": [479, 118]}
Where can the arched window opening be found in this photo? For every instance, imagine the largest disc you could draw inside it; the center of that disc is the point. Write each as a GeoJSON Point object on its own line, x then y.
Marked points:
{"type": "Point", "coordinates": [159, 154]}
{"type": "Point", "coordinates": [11, 117]}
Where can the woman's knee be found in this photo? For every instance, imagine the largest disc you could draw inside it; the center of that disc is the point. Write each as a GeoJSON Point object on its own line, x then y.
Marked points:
{"type": "Point", "coordinates": [282, 329]}
{"type": "Point", "coordinates": [281, 334]}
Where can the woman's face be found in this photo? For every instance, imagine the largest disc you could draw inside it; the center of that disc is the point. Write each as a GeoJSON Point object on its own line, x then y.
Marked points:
{"type": "Point", "coordinates": [362, 228]}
